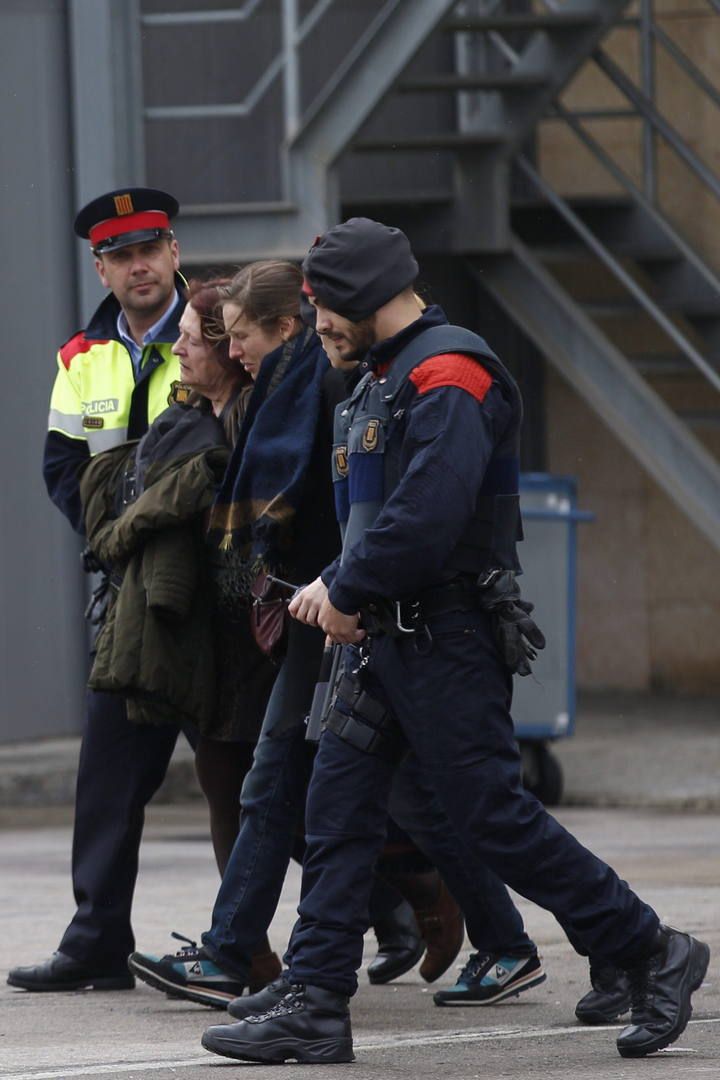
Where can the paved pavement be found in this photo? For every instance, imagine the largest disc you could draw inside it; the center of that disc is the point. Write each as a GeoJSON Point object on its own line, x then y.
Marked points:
{"type": "Point", "coordinates": [644, 750]}
{"type": "Point", "coordinates": [672, 858]}
{"type": "Point", "coordinates": [642, 777]}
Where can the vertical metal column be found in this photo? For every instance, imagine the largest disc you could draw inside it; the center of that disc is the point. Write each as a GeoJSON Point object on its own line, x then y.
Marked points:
{"type": "Point", "coordinates": [647, 69]}
{"type": "Point", "coordinates": [107, 110]}
{"type": "Point", "coordinates": [291, 82]}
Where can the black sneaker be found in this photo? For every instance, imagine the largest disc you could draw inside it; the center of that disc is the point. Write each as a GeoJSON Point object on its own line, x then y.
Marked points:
{"type": "Point", "coordinates": [308, 1024]}
{"type": "Point", "coordinates": [487, 979]}
{"type": "Point", "coordinates": [661, 990]}
{"type": "Point", "coordinates": [609, 997]}
{"type": "Point", "coordinates": [254, 1004]}
{"type": "Point", "coordinates": [188, 974]}
{"type": "Point", "coordinates": [61, 973]}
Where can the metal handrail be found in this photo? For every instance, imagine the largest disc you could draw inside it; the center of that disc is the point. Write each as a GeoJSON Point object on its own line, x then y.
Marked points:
{"type": "Point", "coordinates": [194, 18]}
{"type": "Point", "coordinates": [683, 60]}
{"type": "Point", "coordinates": [294, 33]}
{"type": "Point", "coordinates": [643, 99]}
{"type": "Point", "coordinates": [658, 121]}
{"type": "Point", "coordinates": [619, 271]}
{"type": "Point", "coordinates": [210, 112]}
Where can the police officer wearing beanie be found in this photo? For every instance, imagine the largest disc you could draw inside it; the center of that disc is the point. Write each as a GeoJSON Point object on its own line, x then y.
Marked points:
{"type": "Point", "coordinates": [113, 378]}
{"type": "Point", "coordinates": [426, 472]}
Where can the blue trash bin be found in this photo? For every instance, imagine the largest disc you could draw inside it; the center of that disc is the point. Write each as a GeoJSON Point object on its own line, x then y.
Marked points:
{"type": "Point", "coordinates": [544, 702]}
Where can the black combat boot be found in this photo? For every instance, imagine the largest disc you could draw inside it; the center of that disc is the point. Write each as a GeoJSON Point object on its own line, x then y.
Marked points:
{"type": "Point", "coordinates": [661, 988]}
{"type": "Point", "coordinates": [609, 997]}
{"type": "Point", "coordinates": [252, 1004]}
{"type": "Point", "coordinates": [400, 945]}
{"type": "Point", "coordinates": [308, 1024]}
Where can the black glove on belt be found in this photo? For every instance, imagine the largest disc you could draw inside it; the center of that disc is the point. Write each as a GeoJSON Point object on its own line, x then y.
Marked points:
{"type": "Point", "coordinates": [518, 636]}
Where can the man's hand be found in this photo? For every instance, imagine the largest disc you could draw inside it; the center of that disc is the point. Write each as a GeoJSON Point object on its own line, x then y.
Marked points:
{"type": "Point", "coordinates": [306, 603]}
{"type": "Point", "coordinates": [340, 628]}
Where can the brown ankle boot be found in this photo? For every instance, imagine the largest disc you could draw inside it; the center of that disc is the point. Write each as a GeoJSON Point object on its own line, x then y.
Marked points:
{"type": "Point", "coordinates": [443, 930]}
{"type": "Point", "coordinates": [439, 919]}
{"type": "Point", "coordinates": [266, 967]}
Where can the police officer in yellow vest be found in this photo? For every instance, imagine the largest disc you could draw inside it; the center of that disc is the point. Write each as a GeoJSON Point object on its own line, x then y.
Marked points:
{"type": "Point", "coordinates": [113, 379]}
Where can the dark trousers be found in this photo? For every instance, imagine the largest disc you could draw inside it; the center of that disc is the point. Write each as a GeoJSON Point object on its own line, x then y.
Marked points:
{"type": "Point", "coordinates": [121, 767]}
{"type": "Point", "coordinates": [452, 703]}
{"type": "Point", "coordinates": [493, 923]}
{"type": "Point", "coordinates": [273, 805]}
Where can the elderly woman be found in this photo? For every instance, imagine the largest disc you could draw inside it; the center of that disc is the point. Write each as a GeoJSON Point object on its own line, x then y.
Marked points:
{"type": "Point", "coordinates": [177, 642]}
{"type": "Point", "coordinates": [197, 661]}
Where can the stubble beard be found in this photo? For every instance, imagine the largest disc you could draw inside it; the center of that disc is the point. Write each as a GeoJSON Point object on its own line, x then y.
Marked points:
{"type": "Point", "coordinates": [147, 306]}
{"type": "Point", "coordinates": [360, 339]}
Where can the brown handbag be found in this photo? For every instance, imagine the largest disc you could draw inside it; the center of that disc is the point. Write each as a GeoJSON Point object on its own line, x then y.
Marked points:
{"type": "Point", "coordinates": [269, 616]}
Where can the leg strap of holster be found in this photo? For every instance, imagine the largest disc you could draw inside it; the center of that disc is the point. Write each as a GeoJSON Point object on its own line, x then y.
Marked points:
{"type": "Point", "coordinates": [367, 724]}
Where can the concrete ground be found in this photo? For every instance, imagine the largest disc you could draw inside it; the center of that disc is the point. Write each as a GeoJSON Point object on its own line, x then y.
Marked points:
{"type": "Point", "coordinates": [627, 750]}
{"type": "Point", "coordinates": [673, 859]}
{"type": "Point", "coordinates": [642, 783]}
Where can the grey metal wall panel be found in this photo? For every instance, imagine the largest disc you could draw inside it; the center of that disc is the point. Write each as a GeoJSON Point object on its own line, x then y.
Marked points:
{"type": "Point", "coordinates": [41, 639]}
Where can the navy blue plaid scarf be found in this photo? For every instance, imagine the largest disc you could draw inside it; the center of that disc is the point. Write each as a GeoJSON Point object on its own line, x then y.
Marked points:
{"type": "Point", "coordinates": [255, 508]}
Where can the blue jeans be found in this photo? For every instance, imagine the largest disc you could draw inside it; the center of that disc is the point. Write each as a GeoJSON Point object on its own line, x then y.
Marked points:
{"type": "Point", "coordinates": [453, 708]}
{"type": "Point", "coordinates": [272, 807]}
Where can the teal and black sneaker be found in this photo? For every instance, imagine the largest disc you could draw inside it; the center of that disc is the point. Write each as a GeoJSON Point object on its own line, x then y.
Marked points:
{"type": "Point", "coordinates": [188, 974]}
{"type": "Point", "coordinates": [489, 978]}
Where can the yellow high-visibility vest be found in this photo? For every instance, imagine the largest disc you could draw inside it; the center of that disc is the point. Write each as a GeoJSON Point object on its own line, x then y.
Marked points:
{"type": "Point", "coordinates": [94, 386]}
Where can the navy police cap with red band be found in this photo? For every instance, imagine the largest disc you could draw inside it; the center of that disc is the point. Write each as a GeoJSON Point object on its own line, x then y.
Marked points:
{"type": "Point", "coordinates": [126, 216]}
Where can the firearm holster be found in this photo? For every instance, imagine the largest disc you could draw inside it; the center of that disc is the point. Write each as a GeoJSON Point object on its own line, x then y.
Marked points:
{"type": "Point", "coordinates": [365, 723]}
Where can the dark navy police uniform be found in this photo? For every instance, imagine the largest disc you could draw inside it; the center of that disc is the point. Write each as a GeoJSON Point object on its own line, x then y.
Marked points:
{"type": "Point", "coordinates": [101, 398]}
{"type": "Point", "coordinates": [426, 480]}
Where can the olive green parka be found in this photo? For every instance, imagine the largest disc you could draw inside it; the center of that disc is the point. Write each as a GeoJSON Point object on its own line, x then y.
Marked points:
{"type": "Point", "coordinates": [156, 645]}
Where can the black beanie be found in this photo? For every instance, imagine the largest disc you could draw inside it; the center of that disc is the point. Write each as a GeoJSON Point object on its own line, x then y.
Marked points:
{"type": "Point", "coordinates": [356, 267]}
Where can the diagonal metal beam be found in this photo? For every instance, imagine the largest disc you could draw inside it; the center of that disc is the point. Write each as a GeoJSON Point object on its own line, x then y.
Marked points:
{"type": "Point", "coordinates": [615, 267]}
{"type": "Point", "coordinates": [600, 373]}
{"type": "Point", "coordinates": [380, 57]}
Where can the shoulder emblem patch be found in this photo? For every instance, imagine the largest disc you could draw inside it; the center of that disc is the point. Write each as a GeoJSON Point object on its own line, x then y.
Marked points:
{"type": "Point", "coordinates": [341, 461]}
{"type": "Point", "coordinates": [452, 369]}
{"type": "Point", "coordinates": [179, 393]}
{"type": "Point", "coordinates": [370, 436]}
{"type": "Point", "coordinates": [93, 422]}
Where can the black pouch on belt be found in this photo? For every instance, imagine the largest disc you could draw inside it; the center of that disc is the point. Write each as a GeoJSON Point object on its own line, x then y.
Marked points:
{"type": "Point", "coordinates": [361, 720]}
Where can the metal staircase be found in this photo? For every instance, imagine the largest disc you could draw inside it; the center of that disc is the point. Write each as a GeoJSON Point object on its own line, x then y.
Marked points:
{"type": "Point", "coordinates": [606, 287]}
{"type": "Point", "coordinates": [622, 305]}
{"type": "Point", "coordinates": [392, 64]}
{"type": "Point", "coordinates": [430, 120]}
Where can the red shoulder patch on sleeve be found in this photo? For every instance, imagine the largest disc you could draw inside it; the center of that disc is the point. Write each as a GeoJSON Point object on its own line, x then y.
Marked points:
{"type": "Point", "coordinates": [78, 344]}
{"type": "Point", "coordinates": [452, 369]}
